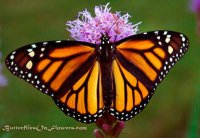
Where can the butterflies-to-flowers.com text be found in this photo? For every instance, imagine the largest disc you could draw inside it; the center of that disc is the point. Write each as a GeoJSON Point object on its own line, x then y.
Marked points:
{"type": "Point", "coordinates": [42, 128]}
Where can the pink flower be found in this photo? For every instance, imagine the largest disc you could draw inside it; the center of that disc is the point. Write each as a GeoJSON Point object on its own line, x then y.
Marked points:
{"type": "Point", "coordinates": [89, 29]}
{"type": "Point", "coordinates": [195, 5]}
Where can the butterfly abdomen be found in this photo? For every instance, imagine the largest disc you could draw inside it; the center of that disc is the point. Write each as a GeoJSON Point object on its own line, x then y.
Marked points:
{"type": "Point", "coordinates": [107, 82]}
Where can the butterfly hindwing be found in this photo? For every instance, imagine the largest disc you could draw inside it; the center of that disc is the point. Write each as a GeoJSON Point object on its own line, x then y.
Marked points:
{"type": "Point", "coordinates": [65, 70]}
{"type": "Point", "coordinates": [141, 62]}
{"type": "Point", "coordinates": [130, 97]}
{"type": "Point", "coordinates": [84, 100]}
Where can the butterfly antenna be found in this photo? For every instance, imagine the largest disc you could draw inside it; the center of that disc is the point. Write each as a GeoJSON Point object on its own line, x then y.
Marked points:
{"type": "Point", "coordinates": [93, 27]}
{"type": "Point", "coordinates": [113, 24]}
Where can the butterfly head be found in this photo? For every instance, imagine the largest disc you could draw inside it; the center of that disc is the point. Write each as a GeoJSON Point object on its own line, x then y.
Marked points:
{"type": "Point", "coordinates": [105, 39]}
{"type": "Point", "coordinates": [105, 48]}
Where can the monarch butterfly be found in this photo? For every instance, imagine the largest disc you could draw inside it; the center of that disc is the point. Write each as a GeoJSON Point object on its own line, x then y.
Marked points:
{"type": "Point", "coordinates": [85, 79]}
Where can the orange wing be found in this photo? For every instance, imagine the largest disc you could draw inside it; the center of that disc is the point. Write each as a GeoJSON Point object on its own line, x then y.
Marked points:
{"type": "Point", "coordinates": [67, 71]}
{"type": "Point", "coordinates": [130, 97]}
{"type": "Point", "coordinates": [84, 100]}
{"type": "Point", "coordinates": [142, 61]}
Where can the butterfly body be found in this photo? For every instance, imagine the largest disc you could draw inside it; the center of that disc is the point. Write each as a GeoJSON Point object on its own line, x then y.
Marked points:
{"type": "Point", "coordinates": [85, 80]}
{"type": "Point", "coordinates": [106, 57]}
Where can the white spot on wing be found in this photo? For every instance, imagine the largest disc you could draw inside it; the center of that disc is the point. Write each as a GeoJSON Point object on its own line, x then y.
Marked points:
{"type": "Point", "coordinates": [33, 45]}
{"type": "Point", "coordinates": [167, 40]}
{"type": "Point", "coordinates": [183, 38]}
{"type": "Point", "coordinates": [29, 64]}
{"type": "Point", "coordinates": [156, 32]}
{"type": "Point", "coordinates": [41, 55]}
{"type": "Point", "coordinates": [42, 49]}
{"type": "Point", "coordinates": [170, 49]}
{"type": "Point", "coordinates": [31, 54]}
{"type": "Point", "coordinates": [11, 57]}
{"type": "Point", "coordinates": [44, 43]}
{"type": "Point", "coordinates": [168, 36]}
{"type": "Point", "coordinates": [29, 50]}
{"type": "Point", "coordinates": [29, 75]}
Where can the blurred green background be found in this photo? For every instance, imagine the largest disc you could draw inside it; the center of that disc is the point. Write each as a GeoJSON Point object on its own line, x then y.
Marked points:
{"type": "Point", "coordinates": [174, 109]}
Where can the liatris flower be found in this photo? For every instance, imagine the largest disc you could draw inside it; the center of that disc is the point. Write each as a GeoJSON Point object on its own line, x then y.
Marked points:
{"type": "Point", "coordinates": [3, 80]}
{"type": "Point", "coordinates": [90, 29]}
{"type": "Point", "coordinates": [195, 7]}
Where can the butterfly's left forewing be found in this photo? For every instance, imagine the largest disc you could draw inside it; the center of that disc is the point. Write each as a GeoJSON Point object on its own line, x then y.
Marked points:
{"type": "Point", "coordinates": [141, 62]}
{"type": "Point", "coordinates": [67, 71]}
